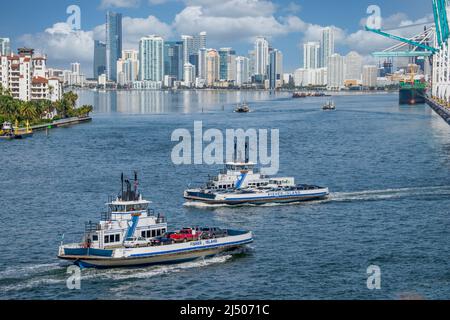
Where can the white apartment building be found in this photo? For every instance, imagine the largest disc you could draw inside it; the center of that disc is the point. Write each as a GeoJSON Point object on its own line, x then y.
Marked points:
{"type": "Point", "coordinates": [336, 72]}
{"type": "Point", "coordinates": [261, 56]}
{"type": "Point", "coordinates": [369, 76]}
{"type": "Point", "coordinates": [311, 77]}
{"type": "Point", "coordinates": [151, 59]}
{"type": "Point", "coordinates": [27, 78]}
{"type": "Point", "coordinates": [311, 55]}
{"type": "Point", "coordinates": [353, 66]}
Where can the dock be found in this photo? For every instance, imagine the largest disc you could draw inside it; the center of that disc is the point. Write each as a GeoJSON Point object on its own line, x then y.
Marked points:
{"type": "Point", "coordinates": [440, 109]}
{"type": "Point", "coordinates": [61, 123]}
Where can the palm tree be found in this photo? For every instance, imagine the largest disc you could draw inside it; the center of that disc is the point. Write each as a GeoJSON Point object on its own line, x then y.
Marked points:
{"type": "Point", "coordinates": [27, 110]}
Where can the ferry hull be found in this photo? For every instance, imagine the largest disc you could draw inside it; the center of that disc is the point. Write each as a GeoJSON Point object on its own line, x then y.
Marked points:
{"type": "Point", "coordinates": [257, 200]}
{"type": "Point", "coordinates": [144, 257]}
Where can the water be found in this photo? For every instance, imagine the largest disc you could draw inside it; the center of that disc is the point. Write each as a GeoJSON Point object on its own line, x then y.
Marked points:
{"type": "Point", "coordinates": [388, 168]}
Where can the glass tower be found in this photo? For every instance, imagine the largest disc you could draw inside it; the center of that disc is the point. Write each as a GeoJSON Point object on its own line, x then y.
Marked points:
{"type": "Point", "coordinates": [113, 43]}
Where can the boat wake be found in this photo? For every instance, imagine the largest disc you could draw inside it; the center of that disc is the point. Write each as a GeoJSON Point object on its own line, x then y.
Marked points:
{"type": "Point", "coordinates": [374, 195]}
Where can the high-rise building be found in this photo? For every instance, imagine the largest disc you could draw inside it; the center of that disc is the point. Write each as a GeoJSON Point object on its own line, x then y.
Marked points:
{"type": "Point", "coordinates": [261, 56]}
{"type": "Point", "coordinates": [336, 68]}
{"type": "Point", "coordinates": [242, 71]}
{"type": "Point", "coordinates": [189, 75]}
{"type": "Point", "coordinates": [99, 58]}
{"type": "Point", "coordinates": [202, 63]}
{"type": "Point", "coordinates": [369, 76]}
{"type": "Point", "coordinates": [5, 47]}
{"type": "Point", "coordinates": [212, 66]}
{"type": "Point", "coordinates": [151, 59]}
{"type": "Point", "coordinates": [75, 67]}
{"type": "Point", "coordinates": [311, 55]}
{"type": "Point", "coordinates": [275, 69]}
{"type": "Point", "coordinates": [113, 43]}
{"type": "Point", "coordinates": [199, 41]}
{"type": "Point", "coordinates": [174, 59]}
{"type": "Point", "coordinates": [188, 47]}
{"type": "Point", "coordinates": [327, 46]}
{"type": "Point", "coordinates": [353, 66]}
{"type": "Point", "coordinates": [227, 61]}
{"type": "Point", "coordinates": [132, 56]}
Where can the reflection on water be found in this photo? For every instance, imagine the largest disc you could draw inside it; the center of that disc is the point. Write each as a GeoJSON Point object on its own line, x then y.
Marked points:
{"type": "Point", "coordinates": [186, 101]}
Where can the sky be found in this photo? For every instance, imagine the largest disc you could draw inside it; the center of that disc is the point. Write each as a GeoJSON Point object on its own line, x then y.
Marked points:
{"type": "Point", "coordinates": [229, 23]}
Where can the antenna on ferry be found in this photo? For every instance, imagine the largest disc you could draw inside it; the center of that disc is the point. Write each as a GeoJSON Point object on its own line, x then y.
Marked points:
{"type": "Point", "coordinates": [135, 183]}
{"type": "Point", "coordinates": [122, 185]}
{"type": "Point", "coordinates": [235, 151]}
{"type": "Point", "coordinates": [247, 152]}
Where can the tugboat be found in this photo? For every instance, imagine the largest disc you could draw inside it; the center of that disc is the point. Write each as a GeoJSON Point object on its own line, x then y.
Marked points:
{"type": "Point", "coordinates": [8, 132]}
{"type": "Point", "coordinates": [243, 108]}
{"type": "Point", "coordinates": [130, 235]}
{"type": "Point", "coordinates": [329, 106]}
{"type": "Point", "coordinates": [241, 184]}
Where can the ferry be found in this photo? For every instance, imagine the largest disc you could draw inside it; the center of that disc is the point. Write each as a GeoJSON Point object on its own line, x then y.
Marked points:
{"type": "Point", "coordinates": [243, 108]}
{"type": "Point", "coordinates": [130, 234]}
{"type": "Point", "coordinates": [241, 183]}
{"type": "Point", "coordinates": [329, 106]}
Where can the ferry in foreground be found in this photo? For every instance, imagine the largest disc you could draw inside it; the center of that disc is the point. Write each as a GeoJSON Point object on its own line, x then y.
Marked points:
{"type": "Point", "coordinates": [241, 184]}
{"type": "Point", "coordinates": [131, 235]}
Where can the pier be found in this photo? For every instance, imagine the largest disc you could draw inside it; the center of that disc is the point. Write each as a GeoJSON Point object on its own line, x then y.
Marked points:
{"type": "Point", "coordinates": [441, 110]}
{"type": "Point", "coordinates": [61, 123]}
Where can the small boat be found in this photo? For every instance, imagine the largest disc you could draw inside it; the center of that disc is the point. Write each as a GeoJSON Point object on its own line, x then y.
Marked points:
{"type": "Point", "coordinates": [240, 183]}
{"type": "Point", "coordinates": [243, 108]}
{"type": "Point", "coordinates": [329, 106]}
{"type": "Point", "coordinates": [8, 132]}
{"type": "Point", "coordinates": [130, 235]}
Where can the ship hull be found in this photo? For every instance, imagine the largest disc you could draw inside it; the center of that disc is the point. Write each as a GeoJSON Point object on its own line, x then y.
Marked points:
{"type": "Point", "coordinates": [258, 198]}
{"type": "Point", "coordinates": [411, 96]}
{"type": "Point", "coordinates": [169, 254]}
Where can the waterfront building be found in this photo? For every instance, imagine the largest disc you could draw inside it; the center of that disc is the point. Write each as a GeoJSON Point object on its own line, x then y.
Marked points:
{"type": "Point", "coordinates": [75, 67]}
{"type": "Point", "coordinates": [242, 71]}
{"type": "Point", "coordinates": [202, 64]}
{"type": "Point", "coordinates": [5, 47]}
{"type": "Point", "coordinates": [212, 67]}
{"type": "Point", "coordinates": [188, 47]}
{"type": "Point", "coordinates": [151, 59]}
{"type": "Point", "coordinates": [199, 41]}
{"type": "Point", "coordinates": [227, 71]}
{"type": "Point", "coordinates": [174, 59]}
{"type": "Point", "coordinates": [369, 76]}
{"type": "Point", "coordinates": [99, 58]}
{"type": "Point", "coordinates": [133, 57]}
{"type": "Point", "coordinates": [327, 46]}
{"type": "Point", "coordinates": [261, 57]}
{"type": "Point", "coordinates": [353, 67]}
{"type": "Point", "coordinates": [27, 78]}
{"type": "Point", "coordinates": [311, 55]}
{"type": "Point", "coordinates": [125, 72]}
{"type": "Point", "coordinates": [113, 43]}
{"type": "Point", "coordinates": [189, 75]}
{"type": "Point", "coordinates": [252, 62]}
{"type": "Point", "coordinates": [336, 72]}
{"type": "Point", "coordinates": [275, 69]}
{"type": "Point", "coordinates": [310, 77]}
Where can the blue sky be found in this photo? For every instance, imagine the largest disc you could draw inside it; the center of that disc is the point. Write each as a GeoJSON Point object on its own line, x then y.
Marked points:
{"type": "Point", "coordinates": [229, 23]}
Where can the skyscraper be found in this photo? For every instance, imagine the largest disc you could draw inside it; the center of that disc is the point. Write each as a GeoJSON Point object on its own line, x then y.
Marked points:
{"type": "Point", "coordinates": [5, 47]}
{"type": "Point", "coordinates": [369, 76]}
{"type": "Point", "coordinates": [113, 43]}
{"type": "Point", "coordinates": [174, 59]}
{"type": "Point", "coordinates": [188, 47]}
{"type": "Point", "coordinates": [353, 66]}
{"type": "Point", "coordinates": [151, 58]}
{"type": "Point", "coordinates": [261, 56]}
{"type": "Point", "coordinates": [275, 68]}
{"type": "Point", "coordinates": [227, 60]}
{"type": "Point", "coordinates": [99, 59]}
{"type": "Point", "coordinates": [311, 55]}
{"type": "Point", "coordinates": [242, 71]}
{"type": "Point", "coordinates": [327, 46]}
{"type": "Point", "coordinates": [200, 41]}
{"type": "Point", "coordinates": [212, 67]}
{"type": "Point", "coordinates": [336, 71]}
{"type": "Point", "coordinates": [202, 63]}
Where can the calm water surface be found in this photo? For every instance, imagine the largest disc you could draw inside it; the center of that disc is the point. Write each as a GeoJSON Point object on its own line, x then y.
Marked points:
{"type": "Point", "coordinates": [388, 168]}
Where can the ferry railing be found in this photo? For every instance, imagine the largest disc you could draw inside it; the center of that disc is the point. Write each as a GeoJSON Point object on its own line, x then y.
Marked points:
{"type": "Point", "coordinates": [106, 216]}
{"type": "Point", "coordinates": [90, 227]}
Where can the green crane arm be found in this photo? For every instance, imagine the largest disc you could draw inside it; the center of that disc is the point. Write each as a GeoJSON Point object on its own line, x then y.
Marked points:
{"type": "Point", "coordinates": [441, 20]}
{"type": "Point", "coordinates": [401, 39]}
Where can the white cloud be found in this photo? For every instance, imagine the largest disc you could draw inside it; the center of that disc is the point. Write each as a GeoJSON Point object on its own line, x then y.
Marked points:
{"type": "Point", "coordinates": [120, 3]}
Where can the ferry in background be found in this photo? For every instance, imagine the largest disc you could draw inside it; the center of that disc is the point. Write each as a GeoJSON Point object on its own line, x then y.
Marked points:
{"type": "Point", "coordinates": [130, 235]}
{"type": "Point", "coordinates": [241, 183]}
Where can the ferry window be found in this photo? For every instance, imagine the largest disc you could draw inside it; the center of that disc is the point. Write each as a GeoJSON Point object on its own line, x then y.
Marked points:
{"type": "Point", "coordinates": [111, 238]}
{"type": "Point", "coordinates": [117, 237]}
{"type": "Point", "coordinates": [94, 238]}
{"type": "Point", "coordinates": [163, 231]}
{"type": "Point", "coordinates": [148, 234]}
{"type": "Point", "coordinates": [158, 232]}
{"type": "Point", "coordinates": [143, 233]}
{"type": "Point", "coordinates": [106, 239]}
{"type": "Point", "coordinates": [153, 233]}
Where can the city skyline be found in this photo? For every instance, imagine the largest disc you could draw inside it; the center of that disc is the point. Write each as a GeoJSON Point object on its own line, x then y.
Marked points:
{"type": "Point", "coordinates": [288, 26]}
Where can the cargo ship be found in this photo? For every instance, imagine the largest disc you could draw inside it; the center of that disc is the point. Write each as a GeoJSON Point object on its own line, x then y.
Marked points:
{"type": "Point", "coordinates": [413, 88]}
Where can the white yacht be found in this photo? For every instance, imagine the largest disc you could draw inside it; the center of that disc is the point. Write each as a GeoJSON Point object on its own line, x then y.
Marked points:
{"type": "Point", "coordinates": [130, 234]}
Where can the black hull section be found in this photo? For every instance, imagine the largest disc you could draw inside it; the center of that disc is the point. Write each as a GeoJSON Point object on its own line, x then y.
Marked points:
{"type": "Point", "coordinates": [412, 96]}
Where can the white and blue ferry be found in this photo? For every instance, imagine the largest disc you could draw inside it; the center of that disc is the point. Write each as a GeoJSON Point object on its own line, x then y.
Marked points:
{"type": "Point", "coordinates": [130, 234]}
{"type": "Point", "coordinates": [240, 183]}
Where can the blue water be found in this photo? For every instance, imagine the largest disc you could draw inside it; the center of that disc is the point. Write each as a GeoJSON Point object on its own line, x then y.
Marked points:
{"type": "Point", "coordinates": [387, 166]}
